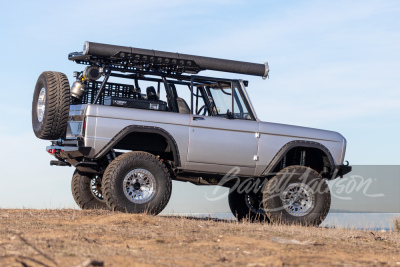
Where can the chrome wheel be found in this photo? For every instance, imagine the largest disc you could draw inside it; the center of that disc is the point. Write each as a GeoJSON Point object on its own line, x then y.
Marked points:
{"type": "Point", "coordinates": [298, 199]}
{"type": "Point", "coordinates": [139, 186]}
{"type": "Point", "coordinates": [41, 104]}
{"type": "Point", "coordinates": [96, 188]}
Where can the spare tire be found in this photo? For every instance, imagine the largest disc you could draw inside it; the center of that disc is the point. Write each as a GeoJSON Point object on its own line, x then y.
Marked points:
{"type": "Point", "coordinates": [50, 105]}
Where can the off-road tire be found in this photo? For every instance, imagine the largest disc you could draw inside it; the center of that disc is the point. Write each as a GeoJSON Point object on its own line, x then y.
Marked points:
{"type": "Point", "coordinates": [57, 98]}
{"type": "Point", "coordinates": [113, 183]}
{"type": "Point", "coordinates": [81, 187]}
{"type": "Point", "coordinates": [273, 204]}
{"type": "Point", "coordinates": [241, 209]}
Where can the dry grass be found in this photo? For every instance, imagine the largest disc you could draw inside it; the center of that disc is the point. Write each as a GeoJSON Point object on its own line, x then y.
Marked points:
{"type": "Point", "coordinates": [396, 224]}
{"type": "Point", "coordinates": [69, 237]}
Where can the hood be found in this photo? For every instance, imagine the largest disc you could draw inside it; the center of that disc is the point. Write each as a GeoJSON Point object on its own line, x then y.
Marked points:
{"type": "Point", "coordinates": [299, 132]}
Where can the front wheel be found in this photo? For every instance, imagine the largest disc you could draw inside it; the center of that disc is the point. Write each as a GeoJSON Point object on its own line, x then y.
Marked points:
{"type": "Point", "coordinates": [87, 191]}
{"type": "Point", "coordinates": [247, 204]}
{"type": "Point", "coordinates": [137, 182]}
{"type": "Point", "coordinates": [297, 195]}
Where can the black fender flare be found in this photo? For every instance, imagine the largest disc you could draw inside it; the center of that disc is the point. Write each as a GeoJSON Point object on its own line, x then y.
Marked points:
{"type": "Point", "coordinates": [143, 129]}
{"type": "Point", "coordinates": [298, 143]}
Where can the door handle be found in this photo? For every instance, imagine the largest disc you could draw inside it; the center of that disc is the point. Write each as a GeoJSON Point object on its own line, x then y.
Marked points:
{"type": "Point", "coordinates": [198, 118]}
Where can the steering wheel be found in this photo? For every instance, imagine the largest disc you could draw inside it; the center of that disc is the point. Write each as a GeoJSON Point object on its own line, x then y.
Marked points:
{"type": "Point", "coordinates": [203, 107]}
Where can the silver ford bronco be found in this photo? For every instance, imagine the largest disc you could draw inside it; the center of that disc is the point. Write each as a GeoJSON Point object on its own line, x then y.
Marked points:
{"type": "Point", "coordinates": [135, 119]}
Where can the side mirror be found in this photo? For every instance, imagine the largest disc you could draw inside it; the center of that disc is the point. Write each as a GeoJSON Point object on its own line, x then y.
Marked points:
{"type": "Point", "coordinates": [229, 115]}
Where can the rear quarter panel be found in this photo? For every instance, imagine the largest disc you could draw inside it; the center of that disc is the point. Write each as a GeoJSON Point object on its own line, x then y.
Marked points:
{"type": "Point", "coordinates": [104, 122]}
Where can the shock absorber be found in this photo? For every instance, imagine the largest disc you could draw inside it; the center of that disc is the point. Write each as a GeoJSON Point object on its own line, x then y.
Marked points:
{"type": "Point", "coordinates": [303, 157]}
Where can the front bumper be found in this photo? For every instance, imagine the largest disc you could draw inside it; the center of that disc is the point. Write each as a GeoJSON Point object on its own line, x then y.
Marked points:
{"type": "Point", "coordinates": [342, 170]}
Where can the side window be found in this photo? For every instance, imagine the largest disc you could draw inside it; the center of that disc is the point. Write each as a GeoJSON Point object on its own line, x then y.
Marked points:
{"type": "Point", "coordinates": [221, 99]}
{"type": "Point", "coordinates": [220, 102]}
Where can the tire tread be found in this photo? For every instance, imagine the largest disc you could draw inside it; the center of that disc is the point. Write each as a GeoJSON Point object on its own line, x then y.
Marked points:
{"type": "Point", "coordinates": [269, 203]}
{"type": "Point", "coordinates": [109, 179]}
{"type": "Point", "coordinates": [81, 191]}
{"type": "Point", "coordinates": [54, 123]}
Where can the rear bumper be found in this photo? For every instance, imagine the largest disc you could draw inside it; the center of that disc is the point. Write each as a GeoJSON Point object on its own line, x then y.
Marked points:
{"type": "Point", "coordinates": [69, 152]}
{"type": "Point", "coordinates": [73, 156]}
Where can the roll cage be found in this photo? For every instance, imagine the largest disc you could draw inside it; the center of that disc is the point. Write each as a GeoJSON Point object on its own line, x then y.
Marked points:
{"type": "Point", "coordinates": [202, 91]}
{"type": "Point", "coordinates": [167, 69]}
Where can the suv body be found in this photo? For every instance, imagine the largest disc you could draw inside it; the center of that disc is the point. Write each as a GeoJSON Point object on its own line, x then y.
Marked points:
{"type": "Point", "coordinates": [199, 143]}
{"type": "Point", "coordinates": [200, 138]}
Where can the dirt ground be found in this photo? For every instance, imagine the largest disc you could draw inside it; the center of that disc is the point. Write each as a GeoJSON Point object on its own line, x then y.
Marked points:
{"type": "Point", "coordinates": [70, 237]}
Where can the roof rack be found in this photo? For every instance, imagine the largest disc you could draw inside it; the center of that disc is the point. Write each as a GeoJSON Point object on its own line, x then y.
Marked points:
{"type": "Point", "coordinates": [131, 59]}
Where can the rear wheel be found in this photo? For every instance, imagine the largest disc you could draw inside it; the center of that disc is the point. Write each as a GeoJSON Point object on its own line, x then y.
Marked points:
{"type": "Point", "coordinates": [137, 182]}
{"type": "Point", "coordinates": [50, 105]}
{"type": "Point", "coordinates": [297, 195]}
{"type": "Point", "coordinates": [87, 191]}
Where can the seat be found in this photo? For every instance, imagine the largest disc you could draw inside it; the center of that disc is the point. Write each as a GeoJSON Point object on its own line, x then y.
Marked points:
{"type": "Point", "coordinates": [151, 93]}
{"type": "Point", "coordinates": [182, 106]}
{"type": "Point", "coordinates": [172, 100]}
{"type": "Point", "coordinates": [178, 102]}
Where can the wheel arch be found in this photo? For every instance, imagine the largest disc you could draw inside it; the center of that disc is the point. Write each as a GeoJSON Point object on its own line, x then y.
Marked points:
{"type": "Point", "coordinates": [290, 146]}
{"type": "Point", "coordinates": [139, 129]}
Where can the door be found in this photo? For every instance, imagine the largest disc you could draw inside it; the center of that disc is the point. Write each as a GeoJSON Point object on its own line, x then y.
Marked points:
{"type": "Point", "coordinates": [227, 134]}
{"type": "Point", "coordinates": [216, 140]}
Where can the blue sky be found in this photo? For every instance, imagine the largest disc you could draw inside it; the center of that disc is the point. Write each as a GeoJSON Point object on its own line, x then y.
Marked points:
{"type": "Point", "coordinates": [334, 65]}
